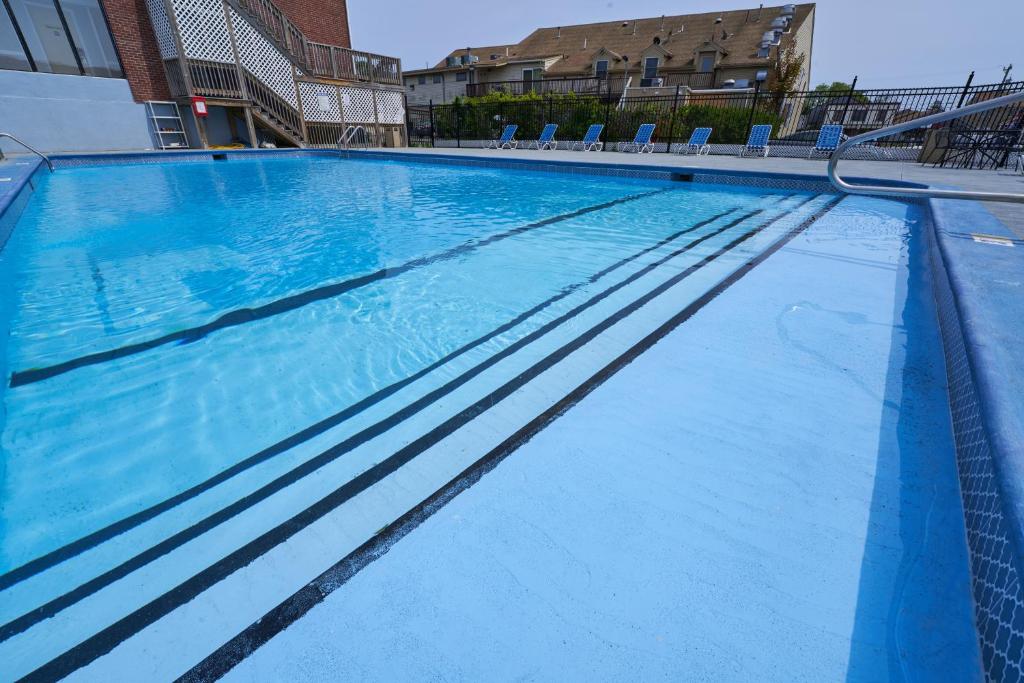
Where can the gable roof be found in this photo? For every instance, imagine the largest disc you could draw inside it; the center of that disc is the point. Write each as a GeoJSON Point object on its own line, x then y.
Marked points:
{"type": "Point", "coordinates": [738, 36]}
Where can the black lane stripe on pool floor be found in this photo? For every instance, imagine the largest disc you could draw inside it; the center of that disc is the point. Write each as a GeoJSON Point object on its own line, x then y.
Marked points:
{"type": "Point", "coordinates": [67, 599]}
{"type": "Point", "coordinates": [108, 638]}
{"type": "Point", "coordinates": [241, 316]}
{"type": "Point", "coordinates": [290, 610]}
{"type": "Point", "coordinates": [93, 539]}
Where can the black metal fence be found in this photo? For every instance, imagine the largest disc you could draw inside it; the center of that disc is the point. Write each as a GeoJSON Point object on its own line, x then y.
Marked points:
{"type": "Point", "coordinates": [795, 119]}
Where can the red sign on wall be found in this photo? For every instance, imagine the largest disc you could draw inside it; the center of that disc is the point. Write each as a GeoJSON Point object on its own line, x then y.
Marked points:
{"type": "Point", "coordinates": [199, 106]}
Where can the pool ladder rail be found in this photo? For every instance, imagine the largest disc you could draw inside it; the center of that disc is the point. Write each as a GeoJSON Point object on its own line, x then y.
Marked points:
{"type": "Point", "coordinates": [49, 164]}
{"type": "Point", "coordinates": [841, 184]}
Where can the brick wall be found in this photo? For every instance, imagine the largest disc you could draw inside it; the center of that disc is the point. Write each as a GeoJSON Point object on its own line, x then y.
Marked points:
{"type": "Point", "coordinates": [323, 21]}
{"type": "Point", "coordinates": [136, 43]}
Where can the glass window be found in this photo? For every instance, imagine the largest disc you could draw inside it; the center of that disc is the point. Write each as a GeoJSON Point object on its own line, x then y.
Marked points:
{"type": "Point", "coordinates": [651, 67]}
{"type": "Point", "coordinates": [44, 33]}
{"type": "Point", "coordinates": [859, 115]}
{"type": "Point", "coordinates": [12, 56]}
{"type": "Point", "coordinates": [461, 76]}
{"type": "Point", "coordinates": [438, 78]}
{"type": "Point", "coordinates": [707, 63]}
{"type": "Point", "coordinates": [601, 68]}
{"type": "Point", "coordinates": [422, 80]}
{"type": "Point", "coordinates": [91, 37]}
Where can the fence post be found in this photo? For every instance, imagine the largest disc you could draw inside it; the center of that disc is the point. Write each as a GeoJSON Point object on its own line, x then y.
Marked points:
{"type": "Point", "coordinates": [458, 124]}
{"type": "Point", "coordinates": [849, 96]}
{"type": "Point", "coordinates": [967, 89]}
{"type": "Point", "coordinates": [607, 117]}
{"type": "Point", "coordinates": [672, 122]}
{"type": "Point", "coordinates": [550, 108]}
{"type": "Point", "coordinates": [433, 143]}
{"type": "Point", "coordinates": [753, 106]}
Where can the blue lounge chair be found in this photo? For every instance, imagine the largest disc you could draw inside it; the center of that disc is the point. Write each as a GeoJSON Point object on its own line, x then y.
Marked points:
{"type": "Point", "coordinates": [591, 142]}
{"type": "Point", "coordinates": [506, 140]}
{"type": "Point", "coordinates": [698, 142]}
{"type": "Point", "coordinates": [758, 140]}
{"type": "Point", "coordinates": [546, 139]}
{"type": "Point", "coordinates": [641, 141]}
{"type": "Point", "coordinates": [829, 138]}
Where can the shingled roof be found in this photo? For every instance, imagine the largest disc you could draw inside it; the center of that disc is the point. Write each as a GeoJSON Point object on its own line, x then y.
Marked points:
{"type": "Point", "coordinates": [738, 36]}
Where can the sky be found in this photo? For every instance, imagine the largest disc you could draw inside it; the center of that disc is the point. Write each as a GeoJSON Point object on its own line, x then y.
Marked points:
{"type": "Point", "coordinates": [887, 43]}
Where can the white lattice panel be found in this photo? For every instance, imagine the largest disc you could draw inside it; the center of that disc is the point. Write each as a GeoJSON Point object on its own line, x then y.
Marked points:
{"type": "Point", "coordinates": [358, 105]}
{"type": "Point", "coordinates": [204, 30]}
{"type": "Point", "coordinates": [162, 28]}
{"type": "Point", "coordinates": [264, 59]}
{"type": "Point", "coordinates": [390, 107]}
{"type": "Point", "coordinates": [320, 102]}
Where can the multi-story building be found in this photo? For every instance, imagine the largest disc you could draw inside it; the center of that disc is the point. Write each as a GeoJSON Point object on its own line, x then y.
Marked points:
{"type": "Point", "coordinates": [78, 74]}
{"type": "Point", "coordinates": [713, 50]}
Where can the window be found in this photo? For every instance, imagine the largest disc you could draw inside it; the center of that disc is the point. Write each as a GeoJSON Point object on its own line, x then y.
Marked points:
{"type": "Point", "coordinates": [651, 67]}
{"type": "Point", "coordinates": [44, 33]}
{"type": "Point", "coordinates": [880, 116]}
{"type": "Point", "coordinates": [61, 36]}
{"type": "Point", "coordinates": [461, 76]}
{"type": "Point", "coordinates": [601, 68]}
{"type": "Point", "coordinates": [422, 80]}
{"type": "Point", "coordinates": [12, 54]}
{"type": "Point", "coordinates": [91, 37]}
{"type": "Point", "coordinates": [859, 115]}
{"type": "Point", "coordinates": [707, 63]}
{"type": "Point", "coordinates": [438, 78]}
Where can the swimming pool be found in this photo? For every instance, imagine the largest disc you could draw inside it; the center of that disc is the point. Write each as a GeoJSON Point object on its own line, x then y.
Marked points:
{"type": "Point", "coordinates": [210, 362]}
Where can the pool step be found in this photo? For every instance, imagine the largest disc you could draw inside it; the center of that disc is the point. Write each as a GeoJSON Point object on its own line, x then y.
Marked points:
{"type": "Point", "coordinates": [183, 604]}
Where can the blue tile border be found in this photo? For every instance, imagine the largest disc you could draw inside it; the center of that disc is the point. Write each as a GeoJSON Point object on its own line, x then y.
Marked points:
{"type": "Point", "coordinates": [981, 319]}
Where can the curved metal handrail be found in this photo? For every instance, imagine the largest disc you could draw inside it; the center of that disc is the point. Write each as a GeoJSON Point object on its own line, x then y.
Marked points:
{"type": "Point", "coordinates": [49, 164]}
{"type": "Point", "coordinates": [841, 184]}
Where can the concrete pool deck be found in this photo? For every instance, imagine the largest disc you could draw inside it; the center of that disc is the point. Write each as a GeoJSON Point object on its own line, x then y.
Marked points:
{"type": "Point", "coordinates": [1002, 180]}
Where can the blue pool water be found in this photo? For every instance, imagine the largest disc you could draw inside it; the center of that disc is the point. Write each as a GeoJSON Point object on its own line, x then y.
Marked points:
{"type": "Point", "coordinates": [220, 378]}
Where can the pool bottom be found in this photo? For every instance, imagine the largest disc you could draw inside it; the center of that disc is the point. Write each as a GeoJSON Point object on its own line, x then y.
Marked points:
{"type": "Point", "coordinates": [714, 508]}
{"type": "Point", "coordinates": [757, 496]}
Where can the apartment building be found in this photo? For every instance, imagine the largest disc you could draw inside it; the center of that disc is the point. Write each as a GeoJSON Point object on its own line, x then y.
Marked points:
{"type": "Point", "coordinates": [86, 75]}
{"type": "Point", "coordinates": [711, 50]}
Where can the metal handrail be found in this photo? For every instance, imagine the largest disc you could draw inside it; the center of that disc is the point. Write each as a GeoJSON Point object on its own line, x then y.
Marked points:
{"type": "Point", "coordinates": [348, 135]}
{"type": "Point", "coordinates": [49, 164]}
{"type": "Point", "coordinates": [841, 184]}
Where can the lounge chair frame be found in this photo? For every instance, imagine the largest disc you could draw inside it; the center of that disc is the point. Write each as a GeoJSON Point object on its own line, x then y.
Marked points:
{"type": "Point", "coordinates": [641, 141]}
{"type": "Point", "coordinates": [507, 139]}
{"type": "Point", "coordinates": [543, 142]}
{"type": "Point", "coordinates": [590, 143]}
{"type": "Point", "coordinates": [828, 140]}
{"type": "Point", "coordinates": [757, 141]}
{"type": "Point", "coordinates": [698, 143]}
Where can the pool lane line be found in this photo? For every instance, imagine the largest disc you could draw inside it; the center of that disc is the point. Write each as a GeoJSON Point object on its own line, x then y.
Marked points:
{"type": "Point", "coordinates": [291, 609]}
{"type": "Point", "coordinates": [303, 469]}
{"type": "Point", "coordinates": [109, 637]}
{"type": "Point", "coordinates": [93, 539]}
{"type": "Point", "coordinates": [240, 316]}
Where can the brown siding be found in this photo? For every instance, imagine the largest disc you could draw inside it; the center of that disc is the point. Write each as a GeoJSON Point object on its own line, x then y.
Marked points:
{"type": "Point", "coordinates": [136, 43]}
{"type": "Point", "coordinates": [323, 21]}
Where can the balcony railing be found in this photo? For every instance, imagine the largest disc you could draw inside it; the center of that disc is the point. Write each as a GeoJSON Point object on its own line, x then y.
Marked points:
{"type": "Point", "coordinates": [320, 59]}
{"type": "Point", "coordinates": [595, 86]}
